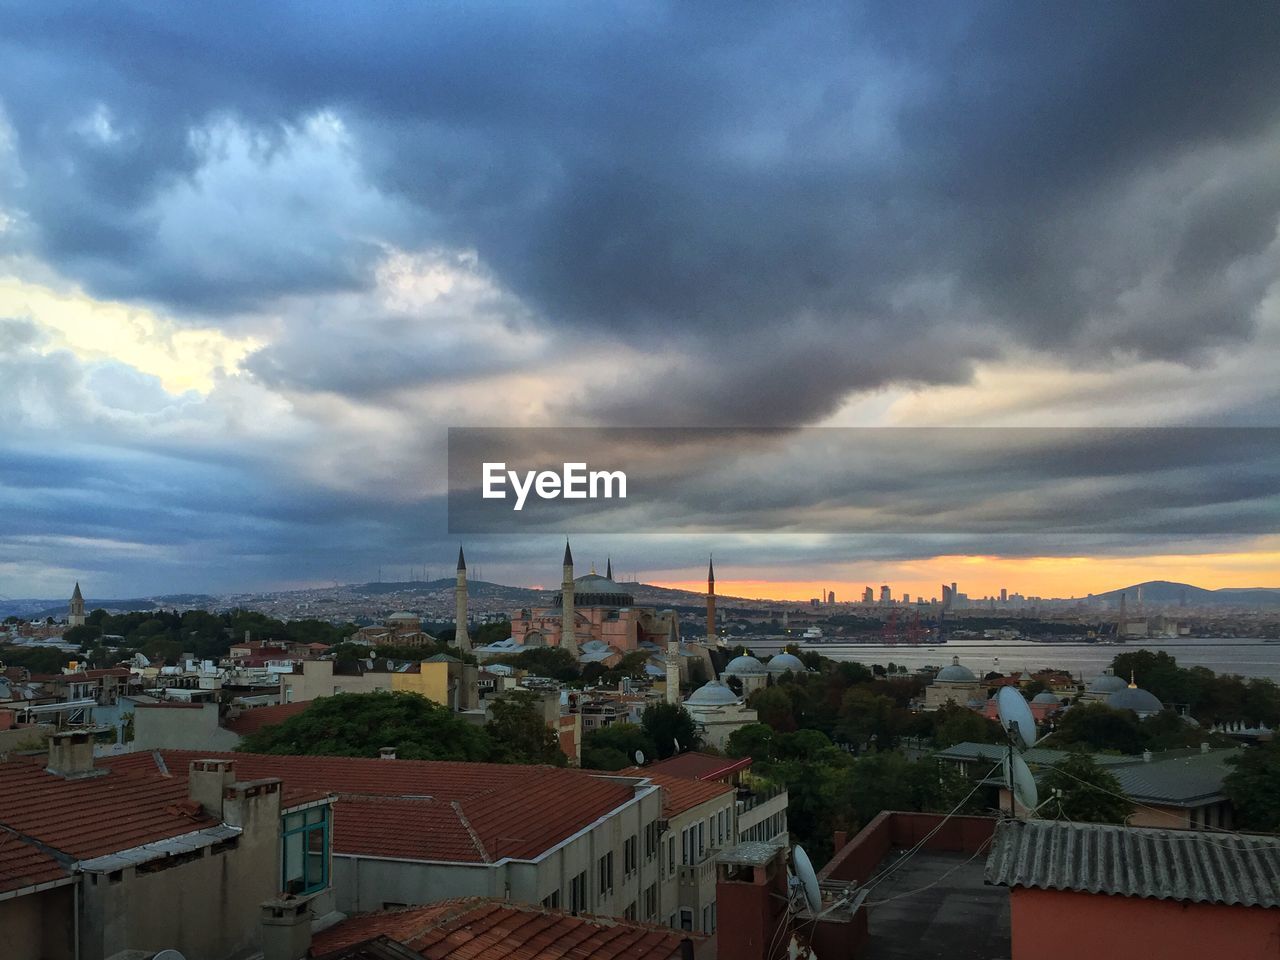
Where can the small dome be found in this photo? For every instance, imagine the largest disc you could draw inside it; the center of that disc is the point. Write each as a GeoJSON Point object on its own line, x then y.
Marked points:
{"type": "Point", "coordinates": [1107, 683]}
{"type": "Point", "coordinates": [714, 693]}
{"type": "Point", "coordinates": [1046, 696]}
{"type": "Point", "coordinates": [956, 673]}
{"type": "Point", "coordinates": [743, 666]}
{"type": "Point", "coordinates": [1136, 699]}
{"type": "Point", "coordinates": [782, 662]}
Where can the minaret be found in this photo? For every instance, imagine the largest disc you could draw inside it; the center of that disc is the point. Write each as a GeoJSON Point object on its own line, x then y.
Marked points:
{"type": "Point", "coordinates": [75, 615]}
{"type": "Point", "coordinates": [461, 639]}
{"type": "Point", "coordinates": [608, 568]}
{"type": "Point", "coordinates": [711, 602]}
{"type": "Point", "coordinates": [1120, 627]}
{"type": "Point", "coordinates": [567, 639]}
{"type": "Point", "coordinates": [673, 671]}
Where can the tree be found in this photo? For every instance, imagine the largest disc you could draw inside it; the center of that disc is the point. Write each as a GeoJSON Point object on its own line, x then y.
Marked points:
{"type": "Point", "coordinates": [954, 724]}
{"type": "Point", "coordinates": [1254, 787]}
{"type": "Point", "coordinates": [1095, 726]}
{"type": "Point", "coordinates": [666, 723]}
{"type": "Point", "coordinates": [614, 747]}
{"type": "Point", "coordinates": [359, 724]}
{"type": "Point", "coordinates": [754, 740]}
{"type": "Point", "coordinates": [773, 706]}
{"type": "Point", "coordinates": [520, 734]}
{"type": "Point", "coordinates": [865, 714]}
{"type": "Point", "coordinates": [1083, 791]}
{"type": "Point", "coordinates": [554, 662]}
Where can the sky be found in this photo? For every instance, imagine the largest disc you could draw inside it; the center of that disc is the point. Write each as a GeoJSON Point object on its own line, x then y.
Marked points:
{"type": "Point", "coordinates": [256, 259]}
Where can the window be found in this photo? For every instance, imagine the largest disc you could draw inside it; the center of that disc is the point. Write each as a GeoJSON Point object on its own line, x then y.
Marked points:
{"type": "Point", "coordinates": [606, 873]}
{"type": "Point", "coordinates": [685, 844]}
{"type": "Point", "coordinates": [552, 901]}
{"type": "Point", "coordinates": [578, 893]}
{"type": "Point", "coordinates": [630, 912]}
{"type": "Point", "coordinates": [686, 918]}
{"type": "Point", "coordinates": [713, 917]}
{"type": "Point", "coordinates": [702, 841]}
{"type": "Point", "coordinates": [671, 854]}
{"type": "Point", "coordinates": [305, 857]}
{"type": "Point", "coordinates": [706, 919]}
{"type": "Point", "coordinates": [721, 818]}
{"type": "Point", "coordinates": [651, 840]}
{"type": "Point", "coordinates": [651, 902]}
{"type": "Point", "coordinates": [629, 859]}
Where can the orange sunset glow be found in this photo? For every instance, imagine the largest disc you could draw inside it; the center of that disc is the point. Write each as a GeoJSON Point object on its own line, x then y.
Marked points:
{"type": "Point", "coordinates": [981, 576]}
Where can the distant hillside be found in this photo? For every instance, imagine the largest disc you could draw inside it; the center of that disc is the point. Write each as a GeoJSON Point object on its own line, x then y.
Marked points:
{"type": "Point", "coordinates": [1168, 593]}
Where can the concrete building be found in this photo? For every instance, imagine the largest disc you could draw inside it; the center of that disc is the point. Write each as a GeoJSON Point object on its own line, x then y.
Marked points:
{"type": "Point", "coordinates": [175, 725]}
{"type": "Point", "coordinates": [1132, 892]}
{"type": "Point", "coordinates": [137, 853]}
{"type": "Point", "coordinates": [761, 807]}
{"type": "Point", "coordinates": [323, 678]}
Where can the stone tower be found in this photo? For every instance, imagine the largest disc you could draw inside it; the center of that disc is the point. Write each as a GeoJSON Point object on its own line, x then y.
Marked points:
{"type": "Point", "coordinates": [75, 612]}
{"type": "Point", "coordinates": [567, 639]}
{"type": "Point", "coordinates": [673, 671]}
{"type": "Point", "coordinates": [461, 639]}
{"type": "Point", "coordinates": [711, 602]}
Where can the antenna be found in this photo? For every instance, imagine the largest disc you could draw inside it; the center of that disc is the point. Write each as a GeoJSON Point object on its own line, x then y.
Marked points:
{"type": "Point", "coordinates": [639, 758]}
{"type": "Point", "coordinates": [808, 879]}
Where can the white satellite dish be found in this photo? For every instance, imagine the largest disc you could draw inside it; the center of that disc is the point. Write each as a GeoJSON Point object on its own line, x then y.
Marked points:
{"type": "Point", "coordinates": [677, 743]}
{"type": "Point", "coordinates": [169, 955]}
{"type": "Point", "coordinates": [1016, 718]}
{"type": "Point", "coordinates": [808, 879]}
{"type": "Point", "coordinates": [1021, 782]}
{"type": "Point", "coordinates": [639, 758]}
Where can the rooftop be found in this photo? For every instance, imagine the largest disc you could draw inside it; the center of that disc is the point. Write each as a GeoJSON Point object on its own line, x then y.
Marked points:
{"type": "Point", "coordinates": [698, 766]}
{"type": "Point", "coordinates": [23, 865]}
{"type": "Point", "coordinates": [483, 929]}
{"type": "Point", "coordinates": [680, 794]}
{"type": "Point", "coordinates": [1190, 866]}
{"type": "Point", "coordinates": [253, 720]}
{"type": "Point", "coordinates": [427, 809]}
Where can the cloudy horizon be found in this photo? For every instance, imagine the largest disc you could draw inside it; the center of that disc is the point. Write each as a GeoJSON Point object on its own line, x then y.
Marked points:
{"type": "Point", "coordinates": [255, 260]}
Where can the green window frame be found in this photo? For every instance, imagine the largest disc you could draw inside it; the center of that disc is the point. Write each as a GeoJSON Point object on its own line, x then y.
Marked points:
{"type": "Point", "coordinates": [304, 860]}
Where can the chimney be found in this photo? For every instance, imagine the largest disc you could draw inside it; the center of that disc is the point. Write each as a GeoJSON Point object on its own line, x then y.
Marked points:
{"type": "Point", "coordinates": [387, 753]}
{"type": "Point", "coordinates": [1204, 746]}
{"type": "Point", "coordinates": [208, 780]}
{"type": "Point", "coordinates": [6, 719]}
{"type": "Point", "coordinates": [841, 840]}
{"type": "Point", "coordinates": [286, 929]}
{"type": "Point", "coordinates": [1146, 756]}
{"type": "Point", "coordinates": [751, 894]}
{"type": "Point", "coordinates": [71, 755]}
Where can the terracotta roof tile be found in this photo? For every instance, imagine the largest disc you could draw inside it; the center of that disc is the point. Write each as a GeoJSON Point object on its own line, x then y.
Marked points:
{"type": "Point", "coordinates": [482, 929]}
{"type": "Point", "coordinates": [681, 793]}
{"type": "Point", "coordinates": [22, 864]}
{"type": "Point", "coordinates": [254, 719]}
{"type": "Point", "coordinates": [699, 766]}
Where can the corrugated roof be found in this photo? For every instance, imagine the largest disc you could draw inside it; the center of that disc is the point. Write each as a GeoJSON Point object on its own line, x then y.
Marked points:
{"type": "Point", "coordinates": [483, 929]}
{"type": "Point", "coordinates": [1186, 865]}
{"type": "Point", "coordinates": [1179, 781]}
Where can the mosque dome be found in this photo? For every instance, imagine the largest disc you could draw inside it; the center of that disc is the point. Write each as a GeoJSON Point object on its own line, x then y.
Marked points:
{"type": "Point", "coordinates": [744, 665]}
{"type": "Point", "coordinates": [404, 615]}
{"type": "Point", "coordinates": [1046, 696]}
{"type": "Point", "coordinates": [594, 590]}
{"type": "Point", "coordinates": [782, 662]}
{"type": "Point", "coordinates": [714, 693]}
{"type": "Point", "coordinates": [956, 673]}
{"type": "Point", "coordinates": [1134, 698]}
{"type": "Point", "coordinates": [1107, 683]}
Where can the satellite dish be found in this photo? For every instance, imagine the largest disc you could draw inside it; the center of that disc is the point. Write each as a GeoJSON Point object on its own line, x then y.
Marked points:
{"type": "Point", "coordinates": [639, 758]}
{"type": "Point", "coordinates": [677, 743]}
{"type": "Point", "coordinates": [1015, 717]}
{"type": "Point", "coordinates": [1022, 783]}
{"type": "Point", "coordinates": [808, 879]}
{"type": "Point", "coordinates": [169, 955]}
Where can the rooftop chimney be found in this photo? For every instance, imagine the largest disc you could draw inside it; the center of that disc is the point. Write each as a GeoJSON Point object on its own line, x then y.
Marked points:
{"type": "Point", "coordinates": [286, 929]}
{"type": "Point", "coordinates": [71, 755]}
{"type": "Point", "coordinates": [751, 893]}
{"type": "Point", "coordinates": [1204, 746]}
{"type": "Point", "coordinates": [1146, 756]}
{"type": "Point", "coordinates": [208, 779]}
{"type": "Point", "coordinates": [387, 753]}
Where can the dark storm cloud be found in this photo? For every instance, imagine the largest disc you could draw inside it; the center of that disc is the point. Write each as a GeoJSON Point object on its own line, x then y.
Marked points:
{"type": "Point", "coordinates": [938, 175]}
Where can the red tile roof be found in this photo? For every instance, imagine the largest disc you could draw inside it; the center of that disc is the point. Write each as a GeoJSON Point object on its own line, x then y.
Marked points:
{"type": "Point", "coordinates": [698, 766]}
{"type": "Point", "coordinates": [681, 793]}
{"type": "Point", "coordinates": [430, 810]}
{"type": "Point", "coordinates": [97, 815]}
{"type": "Point", "coordinates": [254, 719]}
{"type": "Point", "coordinates": [22, 864]}
{"type": "Point", "coordinates": [480, 929]}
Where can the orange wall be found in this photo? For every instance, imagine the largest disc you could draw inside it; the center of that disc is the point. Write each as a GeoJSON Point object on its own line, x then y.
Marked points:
{"type": "Point", "coordinates": [1053, 925]}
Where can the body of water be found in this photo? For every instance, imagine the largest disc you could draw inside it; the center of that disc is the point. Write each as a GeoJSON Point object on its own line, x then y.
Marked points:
{"type": "Point", "coordinates": [1246, 657]}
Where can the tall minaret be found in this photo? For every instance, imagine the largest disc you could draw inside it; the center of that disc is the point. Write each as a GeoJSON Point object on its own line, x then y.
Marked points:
{"type": "Point", "coordinates": [711, 602]}
{"type": "Point", "coordinates": [75, 615]}
{"type": "Point", "coordinates": [461, 639]}
{"type": "Point", "coordinates": [608, 568]}
{"type": "Point", "coordinates": [567, 639]}
{"type": "Point", "coordinates": [673, 671]}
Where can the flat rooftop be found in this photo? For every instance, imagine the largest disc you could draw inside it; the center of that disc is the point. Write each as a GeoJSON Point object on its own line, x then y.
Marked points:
{"type": "Point", "coordinates": [943, 909]}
